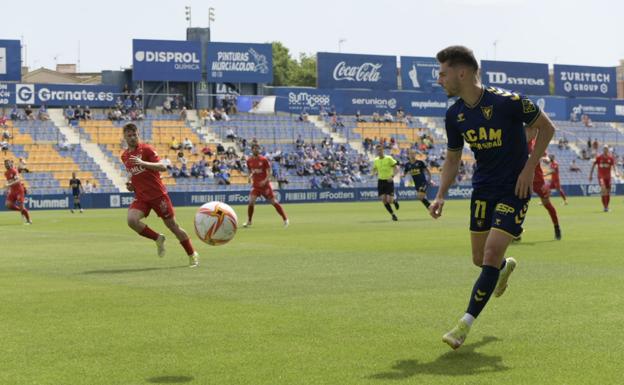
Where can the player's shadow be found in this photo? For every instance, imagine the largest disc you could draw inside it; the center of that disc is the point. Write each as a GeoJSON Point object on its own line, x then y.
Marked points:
{"type": "Point", "coordinates": [140, 270]}
{"type": "Point", "coordinates": [170, 379]}
{"type": "Point", "coordinates": [463, 362]}
{"type": "Point", "coordinates": [524, 243]}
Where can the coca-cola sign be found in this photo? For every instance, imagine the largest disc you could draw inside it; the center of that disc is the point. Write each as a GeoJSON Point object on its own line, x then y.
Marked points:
{"type": "Point", "coordinates": [337, 70]}
{"type": "Point", "coordinates": [366, 72]}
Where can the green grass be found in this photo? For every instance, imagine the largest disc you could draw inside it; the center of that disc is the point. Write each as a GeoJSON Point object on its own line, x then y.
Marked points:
{"type": "Point", "coordinates": [343, 296]}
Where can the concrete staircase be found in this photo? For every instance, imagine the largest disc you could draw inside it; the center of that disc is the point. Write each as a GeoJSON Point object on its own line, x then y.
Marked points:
{"type": "Point", "coordinates": [72, 135]}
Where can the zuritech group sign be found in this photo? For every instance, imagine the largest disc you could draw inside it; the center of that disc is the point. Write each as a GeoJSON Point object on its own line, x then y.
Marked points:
{"type": "Point", "coordinates": [336, 70]}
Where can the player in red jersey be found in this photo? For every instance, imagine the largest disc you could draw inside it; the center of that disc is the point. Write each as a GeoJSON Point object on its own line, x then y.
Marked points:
{"type": "Point", "coordinates": [259, 174]}
{"type": "Point", "coordinates": [605, 163]}
{"type": "Point", "coordinates": [540, 188]}
{"type": "Point", "coordinates": [555, 183]}
{"type": "Point", "coordinates": [144, 167]}
{"type": "Point", "coordinates": [15, 191]}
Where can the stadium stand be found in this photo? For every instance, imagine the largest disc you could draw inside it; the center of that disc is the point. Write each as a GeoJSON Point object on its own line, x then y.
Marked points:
{"type": "Point", "coordinates": [50, 160]}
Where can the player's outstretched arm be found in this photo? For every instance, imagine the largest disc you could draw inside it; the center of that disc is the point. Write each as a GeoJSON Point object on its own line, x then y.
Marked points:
{"type": "Point", "coordinates": [545, 132]}
{"type": "Point", "coordinates": [450, 167]}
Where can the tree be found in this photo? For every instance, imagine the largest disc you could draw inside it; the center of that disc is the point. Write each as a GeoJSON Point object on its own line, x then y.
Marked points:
{"type": "Point", "coordinates": [282, 64]}
{"type": "Point", "coordinates": [304, 71]}
{"type": "Point", "coordinates": [290, 72]}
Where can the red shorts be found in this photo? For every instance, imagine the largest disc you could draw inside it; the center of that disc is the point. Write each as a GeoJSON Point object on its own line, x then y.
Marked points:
{"type": "Point", "coordinates": [541, 190]}
{"type": "Point", "coordinates": [605, 182]}
{"type": "Point", "coordinates": [264, 191]}
{"type": "Point", "coordinates": [554, 185]}
{"type": "Point", "coordinates": [161, 205]}
{"type": "Point", "coordinates": [16, 196]}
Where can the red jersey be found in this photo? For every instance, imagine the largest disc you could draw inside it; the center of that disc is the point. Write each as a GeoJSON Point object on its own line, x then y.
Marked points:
{"type": "Point", "coordinates": [258, 168]}
{"type": "Point", "coordinates": [604, 164]}
{"type": "Point", "coordinates": [539, 174]}
{"type": "Point", "coordinates": [11, 174]}
{"type": "Point", "coordinates": [554, 168]}
{"type": "Point", "coordinates": [147, 183]}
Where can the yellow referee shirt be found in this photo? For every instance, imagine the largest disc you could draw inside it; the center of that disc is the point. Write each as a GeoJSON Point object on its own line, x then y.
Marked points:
{"type": "Point", "coordinates": [385, 167]}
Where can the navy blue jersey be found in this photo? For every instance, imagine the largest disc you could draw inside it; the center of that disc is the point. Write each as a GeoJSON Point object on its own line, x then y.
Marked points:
{"type": "Point", "coordinates": [494, 130]}
{"type": "Point", "coordinates": [416, 170]}
{"type": "Point", "coordinates": [74, 183]}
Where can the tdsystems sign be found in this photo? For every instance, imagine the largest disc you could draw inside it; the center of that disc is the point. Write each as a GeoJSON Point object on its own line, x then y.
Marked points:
{"type": "Point", "coordinates": [166, 60]}
{"type": "Point", "coordinates": [240, 62]}
{"type": "Point", "coordinates": [10, 60]}
{"type": "Point", "coordinates": [526, 78]}
{"type": "Point", "coordinates": [60, 95]}
{"type": "Point", "coordinates": [585, 81]}
{"type": "Point", "coordinates": [336, 70]}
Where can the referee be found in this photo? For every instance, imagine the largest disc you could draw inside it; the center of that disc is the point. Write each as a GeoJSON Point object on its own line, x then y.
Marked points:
{"type": "Point", "coordinates": [386, 168]}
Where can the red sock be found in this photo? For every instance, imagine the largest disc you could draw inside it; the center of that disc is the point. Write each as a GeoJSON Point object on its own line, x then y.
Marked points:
{"type": "Point", "coordinates": [552, 212]}
{"type": "Point", "coordinates": [188, 247]}
{"type": "Point", "coordinates": [149, 233]}
{"type": "Point", "coordinates": [280, 211]}
{"type": "Point", "coordinates": [25, 213]}
{"type": "Point", "coordinates": [250, 210]}
{"type": "Point", "coordinates": [562, 194]}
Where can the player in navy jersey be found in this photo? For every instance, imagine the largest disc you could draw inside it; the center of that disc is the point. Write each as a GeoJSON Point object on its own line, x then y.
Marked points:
{"type": "Point", "coordinates": [76, 186]}
{"type": "Point", "coordinates": [420, 175]}
{"type": "Point", "coordinates": [492, 122]}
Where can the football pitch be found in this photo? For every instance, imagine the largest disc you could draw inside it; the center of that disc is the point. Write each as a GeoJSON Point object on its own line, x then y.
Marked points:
{"type": "Point", "coordinates": [343, 296]}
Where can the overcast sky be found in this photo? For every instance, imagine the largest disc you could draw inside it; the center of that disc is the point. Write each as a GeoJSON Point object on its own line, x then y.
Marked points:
{"type": "Point", "coordinates": [563, 32]}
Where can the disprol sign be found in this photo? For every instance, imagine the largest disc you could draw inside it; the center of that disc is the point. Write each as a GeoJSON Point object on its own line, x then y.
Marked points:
{"type": "Point", "coordinates": [166, 60]}
{"type": "Point", "coordinates": [585, 81]}
{"type": "Point", "coordinates": [336, 70]}
{"type": "Point", "coordinates": [526, 78]}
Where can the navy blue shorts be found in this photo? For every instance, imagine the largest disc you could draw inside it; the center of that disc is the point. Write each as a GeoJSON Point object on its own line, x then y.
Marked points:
{"type": "Point", "coordinates": [504, 212]}
{"type": "Point", "coordinates": [421, 185]}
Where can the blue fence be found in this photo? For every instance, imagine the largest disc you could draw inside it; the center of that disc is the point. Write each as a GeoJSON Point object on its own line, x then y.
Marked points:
{"type": "Point", "coordinates": [123, 200]}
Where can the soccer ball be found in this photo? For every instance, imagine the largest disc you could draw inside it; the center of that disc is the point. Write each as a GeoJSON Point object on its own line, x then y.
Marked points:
{"type": "Point", "coordinates": [215, 223]}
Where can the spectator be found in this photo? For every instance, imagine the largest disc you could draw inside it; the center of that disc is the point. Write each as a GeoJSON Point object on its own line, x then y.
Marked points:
{"type": "Point", "coordinates": [174, 144]}
{"type": "Point", "coordinates": [69, 114]}
{"type": "Point", "coordinates": [167, 106]}
{"type": "Point", "coordinates": [15, 113]}
{"type": "Point", "coordinates": [87, 113]}
{"type": "Point", "coordinates": [187, 144]}
{"type": "Point", "coordinates": [184, 172]}
{"type": "Point", "coordinates": [6, 135]}
{"type": "Point", "coordinates": [4, 146]}
{"type": "Point", "coordinates": [574, 167]}
{"type": "Point", "coordinates": [78, 114]}
{"type": "Point", "coordinates": [207, 150]}
{"type": "Point", "coordinates": [42, 113]}
{"type": "Point", "coordinates": [88, 187]}
{"type": "Point", "coordinates": [3, 120]}
{"type": "Point", "coordinates": [229, 134]}
{"type": "Point", "coordinates": [573, 117]}
{"type": "Point", "coordinates": [181, 158]}
{"type": "Point", "coordinates": [65, 145]}
{"type": "Point", "coordinates": [22, 166]}
{"type": "Point", "coordinates": [224, 116]}
{"type": "Point", "coordinates": [315, 183]}
{"type": "Point", "coordinates": [183, 114]}
{"type": "Point", "coordinates": [166, 162]}
{"type": "Point", "coordinates": [388, 117]}
{"type": "Point", "coordinates": [29, 113]}
{"type": "Point", "coordinates": [358, 117]}
{"type": "Point", "coordinates": [594, 147]}
{"type": "Point", "coordinates": [220, 149]}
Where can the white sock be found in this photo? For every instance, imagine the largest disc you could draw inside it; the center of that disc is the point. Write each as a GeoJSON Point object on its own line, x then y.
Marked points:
{"type": "Point", "coordinates": [468, 319]}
